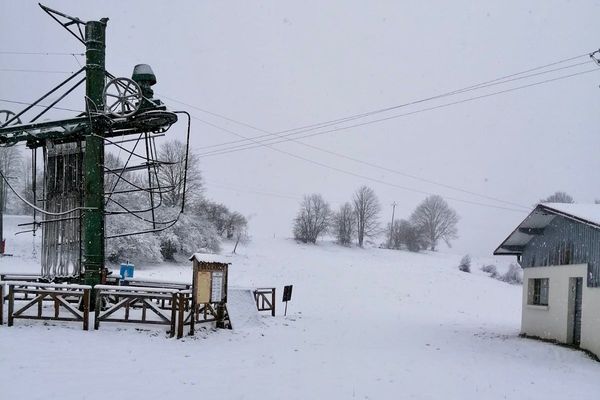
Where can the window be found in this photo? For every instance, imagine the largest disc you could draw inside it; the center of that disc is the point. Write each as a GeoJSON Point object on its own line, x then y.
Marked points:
{"type": "Point", "coordinates": [538, 291]}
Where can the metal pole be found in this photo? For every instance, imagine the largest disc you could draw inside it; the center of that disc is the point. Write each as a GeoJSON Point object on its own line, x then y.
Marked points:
{"type": "Point", "coordinates": [93, 159]}
{"type": "Point", "coordinates": [392, 225]}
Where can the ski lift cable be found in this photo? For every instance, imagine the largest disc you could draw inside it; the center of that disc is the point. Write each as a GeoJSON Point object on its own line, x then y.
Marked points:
{"type": "Point", "coordinates": [396, 116]}
{"type": "Point", "coordinates": [287, 137]}
{"type": "Point", "coordinates": [481, 85]}
{"type": "Point", "coordinates": [422, 110]}
{"type": "Point", "coordinates": [380, 181]}
{"type": "Point", "coordinates": [258, 143]}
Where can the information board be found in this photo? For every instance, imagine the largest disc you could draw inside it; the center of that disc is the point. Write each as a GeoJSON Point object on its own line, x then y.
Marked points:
{"type": "Point", "coordinates": [203, 288]}
{"type": "Point", "coordinates": [216, 293]}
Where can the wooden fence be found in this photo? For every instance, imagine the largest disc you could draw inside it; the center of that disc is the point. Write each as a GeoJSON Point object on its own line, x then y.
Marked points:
{"type": "Point", "coordinates": [265, 299]}
{"type": "Point", "coordinates": [136, 304]}
{"type": "Point", "coordinates": [74, 299]}
{"type": "Point", "coordinates": [141, 302]}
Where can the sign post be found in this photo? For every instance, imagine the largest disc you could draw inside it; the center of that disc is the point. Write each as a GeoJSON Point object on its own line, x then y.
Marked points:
{"type": "Point", "coordinates": [287, 296]}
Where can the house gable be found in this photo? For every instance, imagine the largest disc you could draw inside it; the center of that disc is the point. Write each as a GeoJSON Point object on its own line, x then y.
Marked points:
{"type": "Point", "coordinates": [549, 236]}
{"type": "Point", "coordinates": [564, 242]}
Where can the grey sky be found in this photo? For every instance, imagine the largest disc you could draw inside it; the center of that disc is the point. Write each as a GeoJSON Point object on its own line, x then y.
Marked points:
{"type": "Point", "coordinates": [278, 65]}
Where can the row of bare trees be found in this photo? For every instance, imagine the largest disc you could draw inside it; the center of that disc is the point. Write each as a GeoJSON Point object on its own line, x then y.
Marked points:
{"type": "Point", "coordinates": [431, 222]}
{"type": "Point", "coordinates": [358, 219]}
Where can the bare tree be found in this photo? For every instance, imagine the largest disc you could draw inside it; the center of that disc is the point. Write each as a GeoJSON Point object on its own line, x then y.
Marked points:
{"type": "Point", "coordinates": [366, 209]}
{"type": "Point", "coordinates": [405, 235]}
{"type": "Point", "coordinates": [11, 166]}
{"type": "Point", "coordinates": [436, 220]}
{"type": "Point", "coordinates": [344, 224]}
{"type": "Point", "coordinates": [234, 223]}
{"type": "Point", "coordinates": [171, 174]}
{"type": "Point", "coordinates": [313, 219]}
{"type": "Point", "coordinates": [240, 235]}
{"type": "Point", "coordinates": [558, 197]}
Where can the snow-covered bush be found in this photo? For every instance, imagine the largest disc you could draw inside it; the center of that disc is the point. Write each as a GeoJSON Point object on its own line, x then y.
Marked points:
{"type": "Point", "coordinates": [465, 264]}
{"type": "Point", "coordinates": [192, 233]}
{"type": "Point", "coordinates": [490, 269]}
{"type": "Point", "coordinates": [137, 248]}
{"type": "Point", "coordinates": [169, 243]}
{"type": "Point", "coordinates": [513, 276]}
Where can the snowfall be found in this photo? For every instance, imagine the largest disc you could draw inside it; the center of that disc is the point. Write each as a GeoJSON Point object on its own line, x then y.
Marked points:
{"type": "Point", "coordinates": [362, 323]}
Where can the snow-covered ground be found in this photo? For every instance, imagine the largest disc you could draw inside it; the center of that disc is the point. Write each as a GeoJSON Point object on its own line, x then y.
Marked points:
{"type": "Point", "coordinates": [363, 323]}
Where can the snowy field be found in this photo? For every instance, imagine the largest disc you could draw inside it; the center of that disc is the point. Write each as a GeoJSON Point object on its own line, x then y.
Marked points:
{"type": "Point", "coordinates": [363, 323]}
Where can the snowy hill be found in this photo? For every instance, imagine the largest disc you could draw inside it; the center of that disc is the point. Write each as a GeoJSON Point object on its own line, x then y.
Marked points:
{"type": "Point", "coordinates": [363, 323]}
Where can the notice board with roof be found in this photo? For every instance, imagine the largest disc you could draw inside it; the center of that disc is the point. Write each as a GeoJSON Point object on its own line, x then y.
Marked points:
{"type": "Point", "coordinates": [209, 284]}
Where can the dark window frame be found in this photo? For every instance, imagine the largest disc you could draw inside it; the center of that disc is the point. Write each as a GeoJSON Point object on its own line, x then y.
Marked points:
{"type": "Point", "coordinates": [540, 291]}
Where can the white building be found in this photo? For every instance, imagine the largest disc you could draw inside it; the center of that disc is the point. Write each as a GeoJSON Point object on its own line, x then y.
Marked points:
{"type": "Point", "coordinates": [558, 246]}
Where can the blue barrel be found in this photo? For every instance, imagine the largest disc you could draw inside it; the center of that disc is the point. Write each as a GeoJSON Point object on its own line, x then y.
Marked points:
{"type": "Point", "coordinates": [126, 270]}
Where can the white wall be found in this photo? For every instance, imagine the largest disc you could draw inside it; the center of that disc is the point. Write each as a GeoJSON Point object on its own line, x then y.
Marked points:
{"type": "Point", "coordinates": [590, 320]}
{"type": "Point", "coordinates": [553, 321]}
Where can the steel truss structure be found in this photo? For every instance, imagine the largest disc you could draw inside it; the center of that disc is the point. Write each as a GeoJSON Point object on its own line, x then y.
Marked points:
{"type": "Point", "coordinates": [74, 202]}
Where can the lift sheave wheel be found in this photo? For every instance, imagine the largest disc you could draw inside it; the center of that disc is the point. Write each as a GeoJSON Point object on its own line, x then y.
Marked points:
{"type": "Point", "coordinates": [7, 115]}
{"type": "Point", "coordinates": [122, 97]}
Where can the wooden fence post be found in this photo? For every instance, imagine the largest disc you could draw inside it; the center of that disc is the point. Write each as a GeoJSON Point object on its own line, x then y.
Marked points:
{"type": "Point", "coordinates": [174, 314]}
{"type": "Point", "coordinates": [181, 317]}
{"type": "Point", "coordinates": [193, 316]}
{"type": "Point", "coordinates": [11, 304]}
{"type": "Point", "coordinates": [86, 309]}
{"type": "Point", "coordinates": [98, 309]}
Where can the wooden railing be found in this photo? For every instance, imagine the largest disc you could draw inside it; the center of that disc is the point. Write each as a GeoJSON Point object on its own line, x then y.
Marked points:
{"type": "Point", "coordinates": [136, 304]}
{"type": "Point", "coordinates": [20, 278]}
{"type": "Point", "coordinates": [190, 314]}
{"type": "Point", "coordinates": [75, 299]}
{"type": "Point", "coordinates": [165, 304]}
{"type": "Point", "coordinates": [265, 299]}
{"type": "Point", "coordinates": [141, 302]}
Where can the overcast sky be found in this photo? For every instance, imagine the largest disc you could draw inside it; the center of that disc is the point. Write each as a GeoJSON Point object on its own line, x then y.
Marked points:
{"type": "Point", "coordinates": [278, 65]}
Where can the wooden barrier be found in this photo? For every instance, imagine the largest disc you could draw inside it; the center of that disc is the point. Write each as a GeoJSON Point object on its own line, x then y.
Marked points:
{"type": "Point", "coordinates": [136, 298]}
{"type": "Point", "coordinates": [265, 299]}
{"type": "Point", "coordinates": [20, 278]}
{"type": "Point", "coordinates": [191, 314]}
{"type": "Point", "coordinates": [169, 303]}
{"type": "Point", "coordinates": [164, 304]}
{"type": "Point", "coordinates": [63, 296]}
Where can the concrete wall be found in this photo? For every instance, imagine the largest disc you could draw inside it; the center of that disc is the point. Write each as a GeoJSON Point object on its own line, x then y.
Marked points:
{"type": "Point", "coordinates": [590, 320]}
{"type": "Point", "coordinates": [555, 321]}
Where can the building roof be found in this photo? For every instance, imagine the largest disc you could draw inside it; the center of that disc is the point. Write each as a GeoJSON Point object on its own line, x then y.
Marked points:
{"type": "Point", "coordinates": [210, 258]}
{"type": "Point", "coordinates": [540, 217]}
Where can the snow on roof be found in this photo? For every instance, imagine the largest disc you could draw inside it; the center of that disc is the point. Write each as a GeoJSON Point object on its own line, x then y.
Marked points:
{"type": "Point", "coordinates": [210, 258]}
{"type": "Point", "coordinates": [588, 212]}
{"type": "Point", "coordinates": [540, 217]}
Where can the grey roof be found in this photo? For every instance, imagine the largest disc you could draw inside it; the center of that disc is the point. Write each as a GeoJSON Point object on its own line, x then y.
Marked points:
{"type": "Point", "coordinates": [540, 217]}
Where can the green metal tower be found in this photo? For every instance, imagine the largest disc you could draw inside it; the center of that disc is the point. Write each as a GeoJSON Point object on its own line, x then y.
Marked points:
{"type": "Point", "coordinates": [115, 107]}
{"type": "Point", "coordinates": [93, 160]}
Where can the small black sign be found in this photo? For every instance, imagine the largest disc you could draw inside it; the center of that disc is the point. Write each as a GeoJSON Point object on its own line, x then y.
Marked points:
{"type": "Point", "coordinates": [287, 292]}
